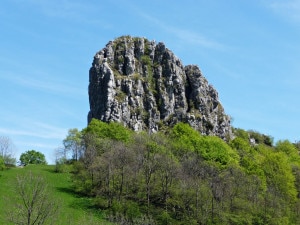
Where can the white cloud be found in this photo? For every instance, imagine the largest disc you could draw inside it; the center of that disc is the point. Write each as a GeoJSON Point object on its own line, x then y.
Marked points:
{"type": "Point", "coordinates": [48, 85]}
{"type": "Point", "coordinates": [287, 8]}
{"type": "Point", "coordinates": [184, 34]}
{"type": "Point", "coordinates": [197, 39]}
{"type": "Point", "coordinates": [59, 8]}
{"type": "Point", "coordinates": [36, 130]}
{"type": "Point", "coordinates": [44, 146]}
{"type": "Point", "coordinates": [43, 84]}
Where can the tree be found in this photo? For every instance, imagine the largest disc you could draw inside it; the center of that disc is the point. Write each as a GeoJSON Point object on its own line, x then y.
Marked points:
{"type": "Point", "coordinates": [290, 150]}
{"type": "Point", "coordinates": [73, 143]}
{"type": "Point", "coordinates": [261, 138]}
{"type": "Point", "coordinates": [214, 149]}
{"type": "Point", "coordinates": [112, 130]}
{"type": "Point", "coordinates": [60, 160]}
{"type": "Point", "coordinates": [281, 192]}
{"type": "Point", "coordinates": [31, 203]}
{"type": "Point", "coordinates": [32, 157]}
{"type": "Point", "coordinates": [6, 150]}
{"type": "Point", "coordinates": [183, 177]}
{"type": "Point", "coordinates": [2, 165]}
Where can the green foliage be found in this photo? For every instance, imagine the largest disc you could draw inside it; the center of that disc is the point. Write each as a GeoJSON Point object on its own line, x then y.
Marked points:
{"type": "Point", "coordinates": [132, 210]}
{"type": "Point", "coordinates": [185, 138]}
{"type": "Point", "coordinates": [261, 138]}
{"type": "Point", "coordinates": [290, 150]}
{"type": "Point", "coordinates": [218, 151]}
{"type": "Point", "coordinates": [248, 157]}
{"type": "Point", "coordinates": [110, 130]}
{"type": "Point", "coordinates": [211, 148]}
{"type": "Point", "coordinates": [165, 218]}
{"type": "Point", "coordinates": [279, 174]}
{"type": "Point", "coordinates": [251, 134]}
{"type": "Point", "coordinates": [73, 144]}
{"type": "Point", "coordinates": [136, 77]}
{"type": "Point", "coordinates": [182, 177]}
{"type": "Point", "coordinates": [32, 157]}
{"type": "Point", "coordinates": [147, 48]}
{"type": "Point", "coordinates": [240, 133]}
{"type": "Point", "coordinates": [73, 209]}
{"type": "Point", "coordinates": [120, 95]}
{"type": "Point", "coordinates": [2, 164]}
{"type": "Point", "coordinates": [83, 183]}
{"type": "Point", "coordinates": [241, 145]}
{"type": "Point", "coordinates": [146, 60]}
{"type": "Point", "coordinates": [62, 166]}
{"type": "Point", "coordinates": [10, 161]}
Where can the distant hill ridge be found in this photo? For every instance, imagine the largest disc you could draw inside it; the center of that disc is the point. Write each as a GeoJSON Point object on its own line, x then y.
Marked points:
{"type": "Point", "coordinates": [143, 85]}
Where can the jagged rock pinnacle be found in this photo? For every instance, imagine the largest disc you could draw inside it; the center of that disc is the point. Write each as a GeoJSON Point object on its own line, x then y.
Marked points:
{"type": "Point", "coordinates": [145, 86]}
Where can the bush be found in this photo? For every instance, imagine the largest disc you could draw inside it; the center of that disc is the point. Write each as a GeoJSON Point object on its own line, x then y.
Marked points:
{"type": "Point", "coordinates": [132, 210]}
{"type": "Point", "coordinates": [211, 148]}
{"type": "Point", "coordinates": [113, 130]}
{"type": "Point", "coordinates": [61, 166]}
{"type": "Point", "coordinates": [2, 165]}
{"type": "Point", "coordinates": [165, 218]}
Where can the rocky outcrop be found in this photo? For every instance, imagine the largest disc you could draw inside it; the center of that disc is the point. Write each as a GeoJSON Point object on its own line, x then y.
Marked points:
{"type": "Point", "coordinates": [143, 85]}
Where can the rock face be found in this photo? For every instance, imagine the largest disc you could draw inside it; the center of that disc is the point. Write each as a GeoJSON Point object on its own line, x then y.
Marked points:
{"type": "Point", "coordinates": [143, 85]}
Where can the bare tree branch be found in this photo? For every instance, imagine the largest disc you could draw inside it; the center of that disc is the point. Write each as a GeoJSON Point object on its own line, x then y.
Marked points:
{"type": "Point", "coordinates": [31, 204]}
{"type": "Point", "coordinates": [7, 149]}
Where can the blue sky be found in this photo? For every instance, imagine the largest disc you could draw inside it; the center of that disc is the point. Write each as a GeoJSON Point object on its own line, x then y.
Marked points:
{"type": "Point", "coordinates": [248, 50]}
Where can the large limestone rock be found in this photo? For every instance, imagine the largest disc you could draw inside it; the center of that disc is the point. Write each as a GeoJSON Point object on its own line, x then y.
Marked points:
{"type": "Point", "coordinates": [143, 85]}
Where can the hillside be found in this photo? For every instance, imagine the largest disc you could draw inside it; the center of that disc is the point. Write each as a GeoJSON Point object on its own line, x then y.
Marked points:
{"type": "Point", "coordinates": [73, 209]}
{"type": "Point", "coordinates": [179, 176]}
{"type": "Point", "coordinates": [185, 163]}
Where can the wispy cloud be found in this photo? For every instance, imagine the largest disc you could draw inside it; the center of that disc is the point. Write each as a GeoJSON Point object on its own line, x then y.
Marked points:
{"type": "Point", "coordinates": [36, 130]}
{"type": "Point", "coordinates": [48, 148]}
{"type": "Point", "coordinates": [75, 10]}
{"type": "Point", "coordinates": [59, 8]}
{"type": "Point", "coordinates": [197, 39]}
{"type": "Point", "coordinates": [45, 146]}
{"type": "Point", "coordinates": [49, 86]}
{"type": "Point", "coordinates": [184, 34]}
{"type": "Point", "coordinates": [288, 8]}
{"type": "Point", "coordinates": [43, 83]}
{"type": "Point", "coordinates": [29, 134]}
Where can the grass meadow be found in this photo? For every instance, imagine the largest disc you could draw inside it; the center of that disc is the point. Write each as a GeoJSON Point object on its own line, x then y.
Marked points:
{"type": "Point", "coordinates": [73, 209]}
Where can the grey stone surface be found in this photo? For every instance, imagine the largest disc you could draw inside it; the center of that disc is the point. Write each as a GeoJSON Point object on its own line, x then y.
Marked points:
{"type": "Point", "coordinates": [144, 86]}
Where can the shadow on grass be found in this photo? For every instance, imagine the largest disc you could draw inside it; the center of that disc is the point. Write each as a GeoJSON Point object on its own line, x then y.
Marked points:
{"type": "Point", "coordinates": [86, 204]}
{"type": "Point", "coordinates": [68, 190]}
{"type": "Point", "coordinates": [50, 169]}
{"type": "Point", "coordinates": [80, 201]}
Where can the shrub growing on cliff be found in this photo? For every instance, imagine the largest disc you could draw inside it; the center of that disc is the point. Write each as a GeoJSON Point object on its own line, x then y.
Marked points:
{"type": "Point", "coordinates": [110, 130]}
{"type": "Point", "coordinates": [210, 148]}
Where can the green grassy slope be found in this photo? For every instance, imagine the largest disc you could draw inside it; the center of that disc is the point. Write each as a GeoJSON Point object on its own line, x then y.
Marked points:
{"type": "Point", "coordinates": [73, 209]}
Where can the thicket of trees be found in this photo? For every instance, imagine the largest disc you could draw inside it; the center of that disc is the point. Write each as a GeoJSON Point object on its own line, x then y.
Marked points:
{"type": "Point", "coordinates": [181, 177]}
